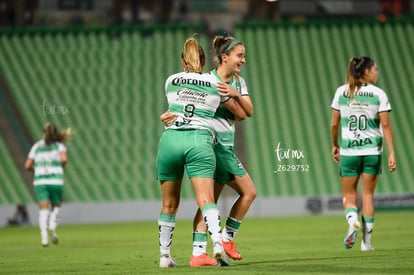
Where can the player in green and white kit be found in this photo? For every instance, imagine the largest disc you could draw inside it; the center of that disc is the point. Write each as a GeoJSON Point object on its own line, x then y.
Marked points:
{"type": "Point", "coordinates": [193, 97]}
{"type": "Point", "coordinates": [189, 144]}
{"type": "Point", "coordinates": [230, 57]}
{"type": "Point", "coordinates": [48, 158]}
{"type": "Point", "coordinates": [230, 54]}
{"type": "Point", "coordinates": [360, 111]}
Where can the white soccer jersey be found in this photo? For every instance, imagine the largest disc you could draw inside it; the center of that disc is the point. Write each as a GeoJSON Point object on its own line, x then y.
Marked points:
{"type": "Point", "coordinates": [48, 167]}
{"type": "Point", "coordinates": [360, 125]}
{"type": "Point", "coordinates": [194, 98]}
{"type": "Point", "coordinates": [223, 122]}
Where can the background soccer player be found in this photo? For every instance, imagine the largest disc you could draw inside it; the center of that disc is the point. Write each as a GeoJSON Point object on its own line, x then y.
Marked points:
{"type": "Point", "coordinates": [360, 110]}
{"type": "Point", "coordinates": [47, 158]}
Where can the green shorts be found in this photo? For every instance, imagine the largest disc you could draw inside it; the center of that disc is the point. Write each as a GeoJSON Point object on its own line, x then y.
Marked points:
{"type": "Point", "coordinates": [228, 165]}
{"type": "Point", "coordinates": [49, 192]}
{"type": "Point", "coordinates": [192, 149]}
{"type": "Point", "coordinates": [356, 165]}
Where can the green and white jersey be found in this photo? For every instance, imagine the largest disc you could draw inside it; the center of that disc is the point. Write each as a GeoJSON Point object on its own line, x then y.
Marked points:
{"type": "Point", "coordinates": [48, 167]}
{"type": "Point", "coordinates": [194, 98]}
{"type": "Point", "coordinates": [360, 125]}
{"type": "Point", "coordinates": [224, 119]}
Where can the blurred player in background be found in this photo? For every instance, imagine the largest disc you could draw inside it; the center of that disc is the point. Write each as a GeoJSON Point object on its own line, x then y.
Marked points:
{"type": "Point", "coordinates": [360, 110]}
{"type": "Point", "coordinates": [20, 217]}
{"type": "Point", "coordinates": [230, 57]}
{"type": "Point", "coordinates": [48, 158]}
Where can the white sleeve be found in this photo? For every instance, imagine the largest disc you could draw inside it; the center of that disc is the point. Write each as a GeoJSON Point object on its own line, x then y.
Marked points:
{"type": "Point", "coordinates": [385, 105]}
{"type": "Point", "coordinates": [335, 101]}
{"type": "Point", "coordinates": [32, 152]}
{"type": "Point", "coordinates": [61, 147]}
{"type": "Point", "coordinates": [243, 90]}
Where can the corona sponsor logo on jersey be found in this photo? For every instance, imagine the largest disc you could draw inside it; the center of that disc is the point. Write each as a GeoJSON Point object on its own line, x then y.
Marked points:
{"type": "Point", "coordinates": [178, 81]}
{"type": "Point", "coordinates": [366, 94]}
{"type": "Point", "coordinates": [359, 93]}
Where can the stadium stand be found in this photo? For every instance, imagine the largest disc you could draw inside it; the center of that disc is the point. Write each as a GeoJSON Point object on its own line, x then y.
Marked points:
{"type": "Point", "coordinates": [13, 189]}
{"type": "Point", "coordinates": [292, 72]}
{"type": "Point", "coordinates": [107, 84]}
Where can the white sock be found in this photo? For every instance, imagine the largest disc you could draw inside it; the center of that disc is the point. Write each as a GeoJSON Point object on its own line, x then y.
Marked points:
{"type": "Point", "coordinates": [231, 228]}
{"type": "Point", "coordinates": [367, 228]}
{"type": "Point", "coordinates": [166, 225]}
{"type": "Point", "coordinates": [211, 217]}
{"type": "Point", "coordinates": [351, 215]}
{"type": "Point", "coordinates": [199, 243]}
{"type": "Point", "coordinates": [54, 218]}
{"type": "Point", "coordinates": [43, 219]}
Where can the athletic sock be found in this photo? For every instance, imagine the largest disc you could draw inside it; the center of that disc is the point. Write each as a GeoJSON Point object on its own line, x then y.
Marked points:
{"type": "Point", "coordinates": [351, 215]}
{"type": "Point", "coordinates": [211, 217]}
{"type": "Point", "coordinates": [54, 218]}
{"type": "Point", "coordinates": [199, 243]}
{"type": "Point", "coordinates": [367, 227]}
{"type": "Point", "coordinates": [43, 219]}
{"type": "Point", "coordinates": [166, 225]}
{"type": "Point", "coordinates": [231, 228]}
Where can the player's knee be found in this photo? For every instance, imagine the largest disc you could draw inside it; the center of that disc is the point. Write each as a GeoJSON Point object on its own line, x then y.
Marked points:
{"type": "Point", "coordinates": [249, 195]}
{"type": "Point", "coordinates": [253, 194]}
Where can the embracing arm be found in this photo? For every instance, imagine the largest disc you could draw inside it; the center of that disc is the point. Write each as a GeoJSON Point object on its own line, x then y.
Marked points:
{"type": "Point", "coordinates": [245, 102]}
{"type": "Point", "coordinates": [232, 104]}
{"type": "Point", "coordinates": [168, 118]}
{"type": "Point", "coordinates": [236, 109]}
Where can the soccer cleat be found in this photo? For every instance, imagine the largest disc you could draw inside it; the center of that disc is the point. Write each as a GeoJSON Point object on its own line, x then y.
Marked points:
{"type": "Point", "coordinates": [231, 251]}
{"type": "Point", "coordinates": [351, 235]}
{"type": "Point", "coordinates": [220, 255]}
{"type": "Point", "coordinates": [54, 237]}
{"type": "Point", "coordinates": [167, 261]}
{"type": "Point", "coordinates": [202, 260]}
{"type": "Point", "coordinates": [366, 247]}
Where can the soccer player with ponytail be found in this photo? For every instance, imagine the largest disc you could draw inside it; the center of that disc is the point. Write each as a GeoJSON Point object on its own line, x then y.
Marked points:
{"type": "Point", "coordinates": [48, 158]}
{"type": "Point", "coordinates": [230, 58]}
{"type": "Point", "coordinates": [360, 111]}
{"type": "Point", "coordinates": [188, 143]}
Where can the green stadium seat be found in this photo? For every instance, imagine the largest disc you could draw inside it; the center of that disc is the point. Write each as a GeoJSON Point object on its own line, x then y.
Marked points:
{"type": "Point", "coordinates": [113, 87]}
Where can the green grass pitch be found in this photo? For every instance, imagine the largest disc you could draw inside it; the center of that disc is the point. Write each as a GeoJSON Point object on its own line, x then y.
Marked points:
{"type": "Point", "coordinates": [279, 245]}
